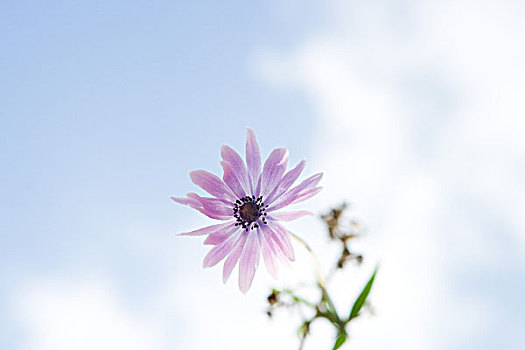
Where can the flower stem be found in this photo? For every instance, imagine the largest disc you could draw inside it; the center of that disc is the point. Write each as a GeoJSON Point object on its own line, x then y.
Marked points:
{"type": "Point", "coordinates": [297, 298]}
{"type": "Point", "coordinates": [314, 258]}
{"type": "Point", "coordinates": [322, 283]}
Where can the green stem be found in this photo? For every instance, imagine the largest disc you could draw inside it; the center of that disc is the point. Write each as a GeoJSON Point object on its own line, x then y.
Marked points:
{"type": "Point", "coordinates": [298, 299]}
{"type": "Point", "coordinates": [314, 258]}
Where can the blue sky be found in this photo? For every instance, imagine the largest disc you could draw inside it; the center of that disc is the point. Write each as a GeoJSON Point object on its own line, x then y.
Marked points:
{"type": "Point", "coordinates": [108, 106]}
{"type": "Point", "coordinates": [414, 112]}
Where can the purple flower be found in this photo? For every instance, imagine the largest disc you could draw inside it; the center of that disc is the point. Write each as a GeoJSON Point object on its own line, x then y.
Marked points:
{"type": "Point", "coordinates": [249, 199]}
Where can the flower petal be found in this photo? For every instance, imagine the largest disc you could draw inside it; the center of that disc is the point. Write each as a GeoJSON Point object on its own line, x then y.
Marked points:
{"type": "Point", "coordinates": [232, 181]}
{"type": "Point", "coordinates": [289, 215]}
{"type": "Point", "coordinates": [218, 252]}
{"type": "Point", "coordinates": [253, 159]}
{"type": "Point", "coordinates": [310, 182]}
{"type": "Point", "coordinates": [212, 184]}
{"type": "Point", "coordinates": [229, 155]}
{"type": "Point", "coordinates": [186, 201]}
{"type": "Point", "coordinates": [248, 262]}
{"type": "Point", "coordinates": [220, 235]}
{"type": "Point", "coordinates": [273, 170]}
{"type": "Point", "coordinates": [208, 230]}
{"type": "Point", "coordinates": [286, 182]}
{"type": "Point", "coordinates": [282, 239]}
{"type": "Point", "coordinates": [276, 244]}
{"type": "Point", "coordinates": [268, 255]}
{"type": "Point", "coordinates": [232, 259]}
{"type": "Point", "coordinates": [213, 207]}
{"type": "Point", "coordinates": [306, 195]}
{"type": "Point", "coordinates": [191, 202]}
{"type": "Point", "coordinates": [289, 196]}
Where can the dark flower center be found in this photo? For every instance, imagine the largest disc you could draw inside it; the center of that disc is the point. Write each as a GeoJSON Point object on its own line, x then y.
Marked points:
{"type": "Point", "coordinates": [247, 210]}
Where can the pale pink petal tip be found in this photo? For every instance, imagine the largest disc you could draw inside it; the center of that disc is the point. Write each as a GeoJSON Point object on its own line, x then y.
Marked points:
{"type": "Point", "coordinates": [212, 184]}
{"type": "Point", "coordinates": [273, 171]}
{"type": "Point", "coordinates": [185, 201]}
{"type": "Point", "coordinates": [269, 255]}
{"type": "Point", "coordinates": [233, 258]}
{"type": "Point", "coordinates": [290, 215]}
{"type": "Point", "coordinates": [229, 155]}
{"type": "Point", "coordinates": [219, 252]}
{"type": "Point", "coordinates": [253, 159]}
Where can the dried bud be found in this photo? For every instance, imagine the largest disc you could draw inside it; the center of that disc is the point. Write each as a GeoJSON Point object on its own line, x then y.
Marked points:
{"type": "Point", "coordinates": [273, 298]}
{"type": "Point", "coordinates": [348, 237]}
{"type": "Point", "coordinates": [331, 220]}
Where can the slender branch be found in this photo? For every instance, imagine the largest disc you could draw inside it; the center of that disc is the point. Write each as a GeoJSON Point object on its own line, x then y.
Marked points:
{"type": "Point", "coordinates": [314, 258]}
{"type": "Point", "coordinates": [322, 281]}
{"type": "Point", "coordinates": [297, 298]}
{"type": "Point", "coordinates": [325, 308]}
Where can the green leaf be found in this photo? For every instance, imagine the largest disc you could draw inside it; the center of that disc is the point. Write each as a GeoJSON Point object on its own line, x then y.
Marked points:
{"type": "Point", "coordinates": [360, 301]}
{"type": "Point", "coordinates": [341, 338]}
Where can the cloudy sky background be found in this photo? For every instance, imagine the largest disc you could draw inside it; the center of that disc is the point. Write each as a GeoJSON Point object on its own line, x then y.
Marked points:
{"type": "Point", "coordinates": [414, 111]}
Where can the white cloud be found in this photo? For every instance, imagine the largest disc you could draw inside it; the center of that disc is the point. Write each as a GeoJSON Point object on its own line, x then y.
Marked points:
{"type": "Point", "coordinates": [420, 124]}
{"type": "Point", "coordinates": [80, 315]}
